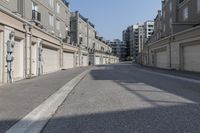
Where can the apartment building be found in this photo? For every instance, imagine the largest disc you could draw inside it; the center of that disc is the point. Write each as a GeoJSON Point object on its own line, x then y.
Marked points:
{"type": "Point", "coordinates": [178, 47]}
{"type": "Point", "coordinates": [80, 36]}
{"type": "Point", "coordinates": [102, 52]}
{"type": "Point", "coordinates": [119, 48]}
{"type": "Point", "coordinates": [35, 40]}
{"type": "Point", "coordinates": [148, 29]}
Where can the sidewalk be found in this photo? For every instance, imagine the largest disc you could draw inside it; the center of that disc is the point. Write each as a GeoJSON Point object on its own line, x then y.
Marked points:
{"type": "Point", "coordinates": [20, 98]}
{"type": "Point", "coordinates": [185, 74]}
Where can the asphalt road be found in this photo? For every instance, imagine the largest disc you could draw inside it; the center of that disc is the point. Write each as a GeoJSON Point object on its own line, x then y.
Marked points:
{"type": "Point", "coordinates": [20, 98]}
{"type": "Point", "coordinates": [124, 98]}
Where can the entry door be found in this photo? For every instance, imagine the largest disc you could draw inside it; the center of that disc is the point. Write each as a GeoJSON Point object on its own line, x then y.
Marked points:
{"type": "Point", "coordinates": [50, 60]}
{"type": "Point", "coordinates": [18, 63]}
{"type": "Point", "coordinates": [68, 60]}
{"type": "Point", "coordinates": [85, 60]}
{"type": "Point", "coordinates": [34, 59]}
{"type": "Point", "coordinates": [97, 60]}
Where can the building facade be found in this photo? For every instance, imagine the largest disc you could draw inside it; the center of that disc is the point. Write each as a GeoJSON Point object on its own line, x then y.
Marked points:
{"type": "Point", "coordinates": [119, 49]}
{"type": "Point", "coordinates": [35, 39]}
{"type": "Point", "coordinates": [148, 30]}
{"type": "Point", "coordinates": [179, 44]}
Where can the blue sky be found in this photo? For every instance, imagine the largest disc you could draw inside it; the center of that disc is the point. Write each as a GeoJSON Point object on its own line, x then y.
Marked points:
{"type": "Point", "coordinates": [112, 16]}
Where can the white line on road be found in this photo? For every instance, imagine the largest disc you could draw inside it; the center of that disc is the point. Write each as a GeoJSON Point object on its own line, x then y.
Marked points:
{"type": "Point", "coordinates": [171, 76]}
{"type": "Point", "coordinates": [35, 121]}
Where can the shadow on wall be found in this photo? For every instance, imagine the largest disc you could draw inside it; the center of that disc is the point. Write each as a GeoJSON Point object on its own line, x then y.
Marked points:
{"type": "Point", "coordinates": [173, 119]}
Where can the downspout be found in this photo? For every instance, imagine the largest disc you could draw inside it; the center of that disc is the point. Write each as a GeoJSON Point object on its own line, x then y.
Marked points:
{"type": "Point", "coordinates": [31, 35]}
{"type": "Point", "coordinates": [26, 32]}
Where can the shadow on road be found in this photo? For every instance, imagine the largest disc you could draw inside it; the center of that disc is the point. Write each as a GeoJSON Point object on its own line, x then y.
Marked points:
{"type": "Point", "coordinates": [178, 117]}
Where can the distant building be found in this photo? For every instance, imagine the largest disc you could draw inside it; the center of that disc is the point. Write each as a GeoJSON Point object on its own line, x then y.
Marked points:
{"type": "Point", "coordinates": [148, 30]}
{"type": "Point", "coordinates": [119, 48]}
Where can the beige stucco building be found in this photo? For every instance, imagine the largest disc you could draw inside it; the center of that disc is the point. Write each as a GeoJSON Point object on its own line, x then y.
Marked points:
{"type": "Point", "coordinates": [35, 39]}
{"type": "Point", "coordinates": [178, 47]}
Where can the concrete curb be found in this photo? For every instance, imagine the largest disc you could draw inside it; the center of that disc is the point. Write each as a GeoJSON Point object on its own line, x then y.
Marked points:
{"type": "Point", "coordinates": [35, 121]}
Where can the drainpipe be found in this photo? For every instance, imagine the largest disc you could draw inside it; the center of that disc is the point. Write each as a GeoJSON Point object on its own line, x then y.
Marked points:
{"type": "Point", "coordinates": [170, 57]}
{"type": "Point", "coordinates": [31, 35]}
{"type": "Point", "coordinates": [26, 33]}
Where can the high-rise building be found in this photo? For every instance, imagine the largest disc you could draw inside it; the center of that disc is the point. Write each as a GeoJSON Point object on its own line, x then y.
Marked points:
{"type": "Point", "coordinates": [119, 48]}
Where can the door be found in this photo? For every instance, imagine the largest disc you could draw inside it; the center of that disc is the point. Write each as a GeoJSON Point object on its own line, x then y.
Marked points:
{"type": "Point", "coordinates": [34, 59]}
{"type": "Point", "coordinates": [85, 60]}
{"type": "Point", "coordinates": [18, 63]}
{"type": "Point", "coordinates": [104, 60]}
{"type": "Point", "coordinates": [50, 60]}
{"type": "Point", "coordinates": [162, 59]}
{"type": "Point", "coordinates": [68, 60]}
{"type": "Point", "coordinates": [97, 60]}
{"type": "Point", "coordinates": [191, 55]}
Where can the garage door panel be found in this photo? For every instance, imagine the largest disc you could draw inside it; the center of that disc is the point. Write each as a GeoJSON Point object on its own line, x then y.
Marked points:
{"type": "Point", "coordinates": [85, 60]}
{"type": "Point", "coordinates": [97, 61]}
{"type": "Point", "coordinates": [162, 59]}
{"type": "Point", "coordinates": [191, 56]}
{"type": "Point", "coordinates": [68, 60]}
{"type": "Point", "coordinates": [18, 63]}
{"type": "Point", "coordinates": [50, 60]}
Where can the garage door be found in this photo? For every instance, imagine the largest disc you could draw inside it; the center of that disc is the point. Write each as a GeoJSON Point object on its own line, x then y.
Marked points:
{"type": "Point", "coordinates": [68, 60]}
{"type": "Point", "coordinates": [104, 60]}
{"type": "Point", "coordinates": [191, 56]}
{"type": "Point", "coordinates": [18, 63]}
{"type": "Point", "coordinates": [85, 60]}
{"type": "Point", "coordinates": [50, 60]}
{"type": "Point", "coordinates": [162, 59]}
{"type": "Point", "coordinates": [97, 60]}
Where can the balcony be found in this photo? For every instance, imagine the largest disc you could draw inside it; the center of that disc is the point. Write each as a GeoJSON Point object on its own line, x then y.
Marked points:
{"type": "Point", "coordinates": [36, 16]}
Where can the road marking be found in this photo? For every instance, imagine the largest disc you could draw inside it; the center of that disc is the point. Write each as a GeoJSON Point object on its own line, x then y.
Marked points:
{"type": "Point", "coordinates": [171, 76]}
{"type": "Point", "coordinates": [35, 121]}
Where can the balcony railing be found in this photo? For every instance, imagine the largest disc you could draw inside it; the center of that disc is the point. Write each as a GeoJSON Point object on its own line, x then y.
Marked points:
{"type": "Point", "coordinates": [36, 16]}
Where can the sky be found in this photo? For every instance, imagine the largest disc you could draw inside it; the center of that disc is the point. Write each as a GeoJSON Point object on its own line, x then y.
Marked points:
{"type": "Point", "coordinates": [111, 17]}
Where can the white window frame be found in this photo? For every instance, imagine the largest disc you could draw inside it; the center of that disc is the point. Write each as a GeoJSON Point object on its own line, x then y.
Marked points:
{"type": "Point", "coordinates": [185, 13]}
{"type": "Point", "coordinates": [170, 6]}
{"type": "Point", "coordinates": [198, 6]}
{"type": "Point", "coordinates": [34, 6]}
{"type": "Point", "coordinates": [57, 24]}
{"type": "Point", "coordinates": [57, 7]}
{"type": "Point", "coordinates": [51, 2]}
{"type": "Point", "coordinates": [51, 19]}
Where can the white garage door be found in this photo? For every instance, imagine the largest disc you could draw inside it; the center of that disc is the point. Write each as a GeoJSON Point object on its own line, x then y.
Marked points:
{"type": "Point", "coordinates": [50, 60]}
{"type": "Point", "coordinates": [162, 59]}
{"type": "Point", "coordinates": [97, 60]}
{"type": "Point", "coordinates": [85, 60]}
{"type": "Point", "coordinates": [192, 58]}
{"type": "Point", "coordinates": [18, 63]}
{"type": "Point", "coordinates": [104, 60]}
{"type": "Point", "coordinates": [68, 60]}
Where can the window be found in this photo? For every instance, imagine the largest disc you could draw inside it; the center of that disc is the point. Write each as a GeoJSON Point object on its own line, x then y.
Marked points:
{"type": "Point", "coordinates": [170, 22]}
{"type": "Point", "coordinates": [164, 14]}
{"type": "Point", "coordinates": [198, 6]}
{"type": "Point", "coordinates": [51, 19]}
{"type": "Point", "coordinates": [164, 28]}
{"type": "Point", "coordinates": [185, 13]}
{"type": "Point", "coordinates": [51, 3]}
{"type": "Point", "coordinates": [34, 6]}
{"type": "Point", "coordinates": [170, 6]}
{"type": "Point", "coordinates": [57, 24]}
{"type": "Point", "coordinates": [58, 7]}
